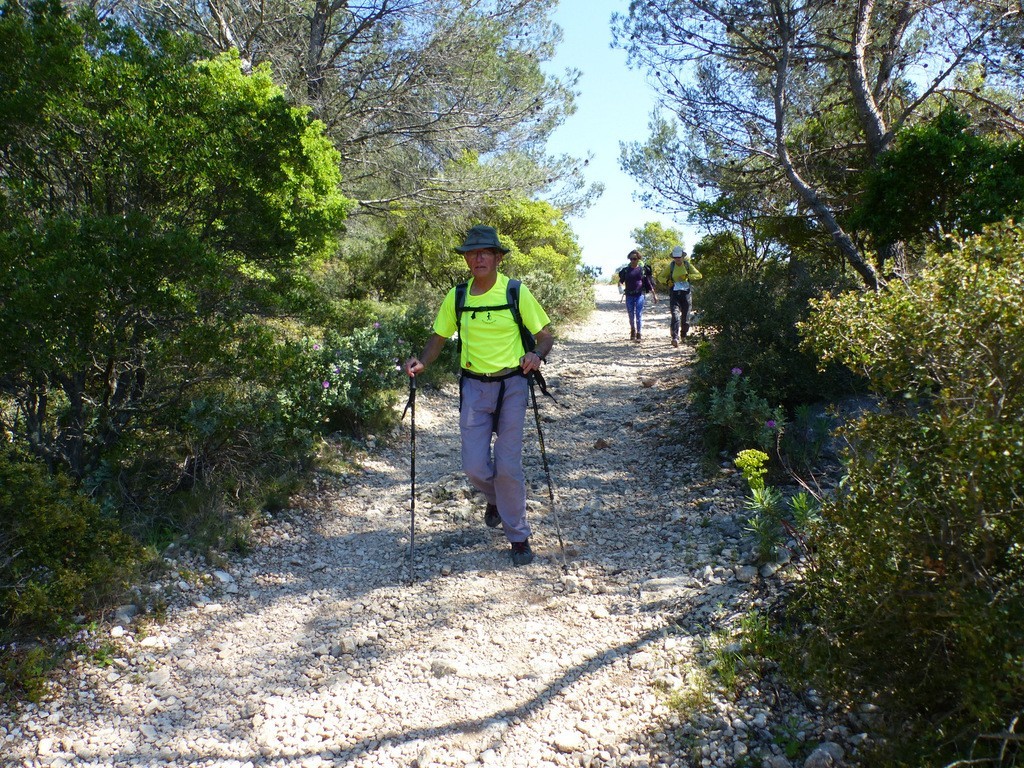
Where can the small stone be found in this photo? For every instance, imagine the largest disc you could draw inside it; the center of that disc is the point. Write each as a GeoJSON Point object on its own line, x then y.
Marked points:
{"type": "Point", "coordinates": [568, 741]}
{"type": "Point", "coordinates": [641, 660]}
{"type": "Point", "coordinates": [442, 668]}
{"type": "Point", "coordinates": [126, 613]}
{"type": "Point", "coordinates": [827, 755]}
{"type": "Point", "coordinates": [746, 573]}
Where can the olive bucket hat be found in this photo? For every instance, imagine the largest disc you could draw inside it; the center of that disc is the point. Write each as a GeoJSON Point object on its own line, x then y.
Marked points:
{"type": "Point", "coordinates": [481, 236]}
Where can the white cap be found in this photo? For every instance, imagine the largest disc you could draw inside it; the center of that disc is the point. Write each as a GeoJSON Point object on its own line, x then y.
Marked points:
{"type": "Point", "coordinates": [677, 252]}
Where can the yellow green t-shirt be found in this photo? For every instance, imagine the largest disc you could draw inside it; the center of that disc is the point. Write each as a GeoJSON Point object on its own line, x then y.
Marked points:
{"type": "Point", "coordinates": [490, 339]}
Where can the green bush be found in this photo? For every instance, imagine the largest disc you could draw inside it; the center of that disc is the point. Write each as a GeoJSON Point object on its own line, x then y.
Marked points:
{"type": "Point", "coordinates": [918, 586]}
{"type": "Point", "coordinates": [738, 417]}
{"type": "Point", "coordinates": [346, 382]}
{"type": "Point", "coordinates": [753, 316]}
{"type": "Point", "coordinates": [156, 208]}
{"type": "Point", "coordinates": [58, 554]}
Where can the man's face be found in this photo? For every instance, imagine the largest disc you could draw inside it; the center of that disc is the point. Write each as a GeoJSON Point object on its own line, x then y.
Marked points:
{"type": "Point", "coordinates": [483, 261]}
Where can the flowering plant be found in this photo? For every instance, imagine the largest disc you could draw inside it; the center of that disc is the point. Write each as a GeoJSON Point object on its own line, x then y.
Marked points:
{"type": "Point", "coordinates": [739, 417]}
{"type": "Point", "coordinates": [345, 382]}
{"type": "Point", "coordinates": [751, 463]}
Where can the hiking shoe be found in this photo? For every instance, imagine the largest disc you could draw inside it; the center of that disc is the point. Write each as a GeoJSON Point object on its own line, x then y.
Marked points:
{"type": "Point", "coordinates": [675, 342]}
{"type": "Point", "coordinates": [632, 335]}
{"type": "Point", "coordinates": [521, 553]}
{"type": "Point", "coordinates": [491, 517]}
{"type": "Point", "coordinates": [638, 338]}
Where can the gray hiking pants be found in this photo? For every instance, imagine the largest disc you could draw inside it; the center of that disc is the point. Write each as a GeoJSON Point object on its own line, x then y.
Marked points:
{"type": "Point", "coordinates": [497, 472]}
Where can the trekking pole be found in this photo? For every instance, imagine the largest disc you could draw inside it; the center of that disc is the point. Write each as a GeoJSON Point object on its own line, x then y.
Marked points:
{"type": "Point", "coordinates": [547, 472]}
{"type": "Point", "coordinates": [410, 406]}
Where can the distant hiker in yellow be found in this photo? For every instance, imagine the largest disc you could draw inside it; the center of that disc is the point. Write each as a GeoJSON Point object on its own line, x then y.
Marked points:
{"type": "Point", "coordinates": [677, 276]}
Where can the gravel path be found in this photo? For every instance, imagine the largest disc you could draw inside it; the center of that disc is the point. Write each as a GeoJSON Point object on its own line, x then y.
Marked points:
{"type": "Point", "coordinates": [319, 650]}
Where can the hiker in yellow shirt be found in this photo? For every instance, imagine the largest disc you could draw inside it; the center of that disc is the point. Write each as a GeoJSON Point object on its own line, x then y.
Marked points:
{"type": "Point", "coordinates": [677, 276]}
{"type": "Point", "coordinates": [493, 387]}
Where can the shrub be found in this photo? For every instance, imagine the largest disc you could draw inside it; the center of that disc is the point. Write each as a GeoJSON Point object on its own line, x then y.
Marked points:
{"type": "Point", "coordinates": [918, 587]}
{"type": "Point", "coordinates": [738, 417]}
{"type": "Point", "coordinates": [155, 209]}
{"type": "Point", "coordinates": [805, 437]}
{"type": "Point", "coordinates": [753, 314]}
{"type": "Point", "coordinates": [345, 382]}
{"type": "Point", "coordinates": [61, 556]}
{"type": "Point", "coordinates": [751, 463]}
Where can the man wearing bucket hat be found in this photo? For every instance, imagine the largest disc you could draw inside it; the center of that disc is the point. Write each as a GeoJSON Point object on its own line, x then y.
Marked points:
{"type": "Point", "coordinates": [678, 276]}
{"type": "Point", "coordinates": [493, 388]}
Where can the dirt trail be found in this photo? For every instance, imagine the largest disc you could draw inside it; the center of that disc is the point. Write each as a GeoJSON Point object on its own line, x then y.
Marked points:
{"type": "Point", "coordinates": [318, 650]}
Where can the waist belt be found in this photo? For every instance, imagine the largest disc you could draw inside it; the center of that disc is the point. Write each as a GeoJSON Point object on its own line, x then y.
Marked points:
{"type": "Point", "coordinates": [498, 377]}
{"type": "Point", "coordinates": [680, 290]}
{"type": "Point", "coordinates": [504, 373]}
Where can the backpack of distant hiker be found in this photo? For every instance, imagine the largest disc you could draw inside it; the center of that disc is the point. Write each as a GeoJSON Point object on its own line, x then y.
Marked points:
{"type": "Point", "coordinates": [645, 283]}
{"type": "Point", "coordinates": [511, 304]}
{"type": "Point", "coordinates": [648, 281]}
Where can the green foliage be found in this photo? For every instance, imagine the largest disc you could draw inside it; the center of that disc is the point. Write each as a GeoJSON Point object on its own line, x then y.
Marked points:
{"type": "Point", "coordinates": [766, 521]}
{"type": "Point", "coordinates": [806, 512]}
{"type": "Point", "coordinates": [24, 671]}
{"type": "Point", "coordinates": [546, 257]}
{"type": "Point", "coordinates": [918, 587]}
{"type": "Point", "coordinates": [753, 464]}
{"type": "Point", "coordinates": [694, 695]}
{"type": "Point", "coordinates": [942, 177]}
{"type": "Point", "coordinates": [160, 208]}
{"type": "Point", "coordinates": [737, 416]}
{"type": "Point", "coordinates": [726, 662]}
{"type": "Point", "coordinates": [60, 555]}
{"type": "Point", "coordinates": [805, 437]}
{"type": "Point", "coordinates": [345, 382]}
{"type": "Point", "coordinates": [756, 634]}
{"type": "Point", "coordinates": [752, 306]}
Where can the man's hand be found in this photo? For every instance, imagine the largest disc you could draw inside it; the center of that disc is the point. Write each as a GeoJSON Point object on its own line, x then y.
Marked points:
{"type": "Point", "coordinates": [531, 361]}
{"type": "Point", "coordinates": [414, 366]}
{"type": "Point", "coordinates": [429, 354]}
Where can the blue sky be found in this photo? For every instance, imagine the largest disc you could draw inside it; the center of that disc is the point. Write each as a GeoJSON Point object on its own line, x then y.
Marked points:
{"type": "Point", "coordinates": [614, 105]}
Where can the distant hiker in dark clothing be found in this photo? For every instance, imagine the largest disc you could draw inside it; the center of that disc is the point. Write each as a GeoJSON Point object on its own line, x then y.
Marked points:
{"type": "Point", "coordinates": [677, 276]}
{"type": "Point", "coordinates": [636, 279]}
{"type": "Point", "coordinates": [493, 388]}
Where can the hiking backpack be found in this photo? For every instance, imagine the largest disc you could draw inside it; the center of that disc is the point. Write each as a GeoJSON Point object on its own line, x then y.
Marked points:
{"type": "Point", "coordinates": [646, 282]}
{"type": "Point", "coordinates": [511, 304]}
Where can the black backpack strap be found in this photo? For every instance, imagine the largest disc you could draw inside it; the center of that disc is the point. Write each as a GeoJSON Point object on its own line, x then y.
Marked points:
{"type": "Point", "coordinates": [460, 307]}
{"type": "Point", "coordinates": [529, 342]}
{"type": "Point", "coordinates": [512, 296]}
